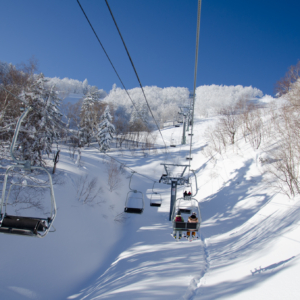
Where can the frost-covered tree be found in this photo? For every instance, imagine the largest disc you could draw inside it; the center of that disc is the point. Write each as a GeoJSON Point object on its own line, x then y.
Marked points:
{"type": "Point", "coordinates": [43, 124]}
{"type": "Point", "coordinates": [105, 130]}
{"type": "Point", "coordinates": [89, 119]}
{"type": "Point", "coordinates": [85, 86]}
{"type": "Point", "coordinates": [141, 113]}
{"type": "Point", "coordinates": [13, 80]}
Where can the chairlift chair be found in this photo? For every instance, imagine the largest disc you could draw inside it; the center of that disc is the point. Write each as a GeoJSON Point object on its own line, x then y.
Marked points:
{"type": "Point", "coordinates": [188, 197]}
{"type": "Point", "coordinates": [172, 143]}
{"type": "Point", "coordinates": [155, 202]}
{"type": "Point", "coordinates": [139, 197]}
{"type": "Point", "coordinates": [22, 225]}
{"type": "Point", "coordinates": [186, 226]}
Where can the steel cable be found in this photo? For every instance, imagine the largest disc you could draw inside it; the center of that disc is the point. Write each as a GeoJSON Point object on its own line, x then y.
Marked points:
{"type": "Point", "coordinates": [134, 70]}
{"type": "Point", "coordinates": [195, 75]}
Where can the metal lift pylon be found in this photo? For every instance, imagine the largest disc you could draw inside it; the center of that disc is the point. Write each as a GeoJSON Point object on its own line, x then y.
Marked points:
{"type": "Point", "coordinates": [173, 181]}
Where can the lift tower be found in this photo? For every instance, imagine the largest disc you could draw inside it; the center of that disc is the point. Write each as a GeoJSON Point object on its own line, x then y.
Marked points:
{"type": "Point", "coordinates": [173, 180]}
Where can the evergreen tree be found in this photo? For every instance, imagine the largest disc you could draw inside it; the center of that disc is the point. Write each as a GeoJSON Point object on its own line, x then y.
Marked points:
{"type": "Point", "coordinates": [140, 115]}
{"type": "Point", "coordinates": [105, 130]}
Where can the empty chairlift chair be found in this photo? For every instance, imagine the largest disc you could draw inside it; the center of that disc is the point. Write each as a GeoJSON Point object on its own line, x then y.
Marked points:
{"type": "Point", "coordinates": [134, 203]}
{"type": "Point", "coordinates": [155, 199]}
{"type": "Point", "coordinates": [18, 224]}
{"type": "Point", "coordinates": [173, 144]}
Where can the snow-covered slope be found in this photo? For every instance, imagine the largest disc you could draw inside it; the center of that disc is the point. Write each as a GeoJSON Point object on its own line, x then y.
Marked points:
{"type": "Point", "coordinates": [248, 246]}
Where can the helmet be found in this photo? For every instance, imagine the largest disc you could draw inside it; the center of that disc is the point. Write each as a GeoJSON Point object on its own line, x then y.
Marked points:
{"type": "Point", "coordinates": [179, 213]}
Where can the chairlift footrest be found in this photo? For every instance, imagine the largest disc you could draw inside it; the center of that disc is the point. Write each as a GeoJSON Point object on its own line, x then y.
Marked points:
{"type": "Point", "coordinates": [155, 204]}
{"type": "Point", "coordinates": [185, 211]}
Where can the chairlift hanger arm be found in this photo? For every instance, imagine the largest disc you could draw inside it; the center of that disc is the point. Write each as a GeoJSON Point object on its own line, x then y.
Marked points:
{"type": "Point", "coordinates": [183, 171]}
{"type": "Point", "coordinates": [196, 182]}
{"type": "Point", "coordinates": [130, 182]}
{"type": "Point", "coordinates": [15, 137]}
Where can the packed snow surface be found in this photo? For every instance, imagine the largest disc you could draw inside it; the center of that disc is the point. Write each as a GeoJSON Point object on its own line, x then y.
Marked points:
{"type": "Point", "coordinates": [248, 246]}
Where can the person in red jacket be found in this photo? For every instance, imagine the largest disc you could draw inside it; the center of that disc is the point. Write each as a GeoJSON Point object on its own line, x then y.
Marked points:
{"type": "Point", "coordinates": [178, 218]}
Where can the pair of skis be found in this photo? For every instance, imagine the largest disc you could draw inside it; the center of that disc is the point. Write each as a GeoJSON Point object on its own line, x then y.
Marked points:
{"type": "Point", "coordinates": [179, 237]}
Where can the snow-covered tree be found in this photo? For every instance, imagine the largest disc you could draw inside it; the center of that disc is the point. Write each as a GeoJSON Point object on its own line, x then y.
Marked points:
{"type": "Point", "coordinates": [85, 86]}
{"type": "Point", "coordinates": [140, 113]}
{"type": "Point", "coordinates": [105, 130]}
{"type": "Point", "coordinates": [13, 80]}
{"type": "Point", "coordinates": [43, 124]}
{"type": "Point", "coordinates": [89, 120]}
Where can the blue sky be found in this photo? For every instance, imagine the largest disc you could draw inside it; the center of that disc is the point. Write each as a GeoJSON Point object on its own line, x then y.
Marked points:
{"type": "Point", "coordinates": [241, 42]}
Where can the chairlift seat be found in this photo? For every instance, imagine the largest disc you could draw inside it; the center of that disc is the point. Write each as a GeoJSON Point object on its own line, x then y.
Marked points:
{"type": "Point", "coordinates": [172, 145]}
{"type": "Point", "coordinates": [23, 225]}
{"type": "Point", "coordinates": [185, 226]}
{"type": "Point", "coordinates": [187, 197]}
{"type": "Point", "coordinates": [177, 125]}
{"type": "Point", "coordinates": [133, 210]}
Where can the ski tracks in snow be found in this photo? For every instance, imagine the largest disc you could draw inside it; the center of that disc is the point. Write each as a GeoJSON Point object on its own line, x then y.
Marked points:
{"type": "Point", "coordinates": [197, 281]}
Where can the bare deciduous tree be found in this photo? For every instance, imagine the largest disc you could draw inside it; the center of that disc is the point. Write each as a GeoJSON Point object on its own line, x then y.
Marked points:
{"type": "Point", "coordinates": [230, 123]}
{"type": "Point", "coordinates": [114, 171]}
{"type": "Point", "coordinates": [87, 190]}
{"type": "Point", "coordinates": [286, 84]}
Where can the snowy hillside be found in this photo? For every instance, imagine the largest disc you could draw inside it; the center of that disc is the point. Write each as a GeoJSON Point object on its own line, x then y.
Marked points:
{"type": "Point", "coordinates": [248, 246]}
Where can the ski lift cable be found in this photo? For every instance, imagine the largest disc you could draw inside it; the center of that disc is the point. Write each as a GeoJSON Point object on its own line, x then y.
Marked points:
{"type": "Point", "coordinates": [195, 74]}
{"type": "Point", "coordinates": [124, 165]}
{"type": "Point", "coordinates": [130, 168]}
{"type": "Point", "coordinates": [109, 58]}
{"type": "Point", "coordinates": [134, 70]}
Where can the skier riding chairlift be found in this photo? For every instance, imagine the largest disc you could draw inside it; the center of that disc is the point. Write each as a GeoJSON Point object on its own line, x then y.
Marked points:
{"type": "Point", "coordinates": [192, 219]}
{"type": "Point", "coordinates": [178, 218]}
{"type": "Point", "coordinates": [187, 195]}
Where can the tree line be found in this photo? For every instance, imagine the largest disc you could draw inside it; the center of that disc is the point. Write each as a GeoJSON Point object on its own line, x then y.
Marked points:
{"type": "Point", "coordinates": [273, 128]}
{"type": "Point", "coordinates": [89, 120]}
